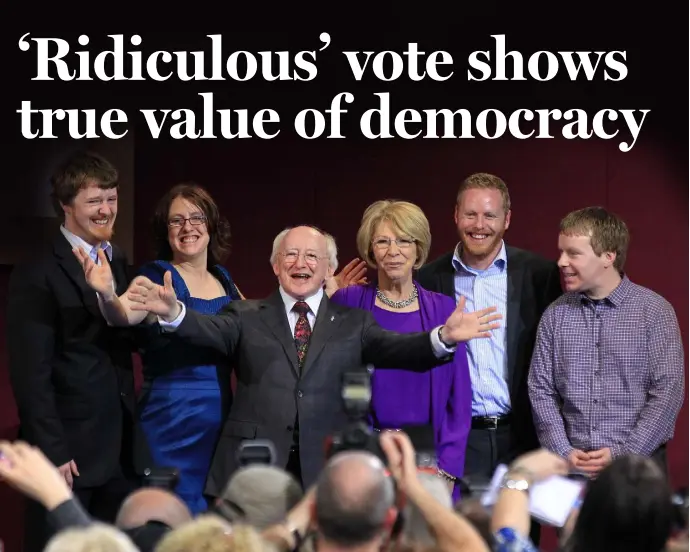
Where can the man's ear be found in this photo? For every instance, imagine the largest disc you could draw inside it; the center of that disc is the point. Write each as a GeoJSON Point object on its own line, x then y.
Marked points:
{"type": "Point", "coordinates": [610, 257]}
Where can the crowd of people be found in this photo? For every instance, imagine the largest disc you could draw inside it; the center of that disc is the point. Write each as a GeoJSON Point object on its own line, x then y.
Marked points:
{"type": "Point", "coordinates": [501, 356]}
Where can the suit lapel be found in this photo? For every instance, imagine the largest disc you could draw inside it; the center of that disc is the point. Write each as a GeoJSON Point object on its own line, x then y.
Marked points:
{"type": "Point", "coordinates": [327, 320]}
{"type": "Point", "coordinates": [515, 282]}
{"type": "Point", "coordinates": [69, 263]}
{"type": "Point", "coordinates": [273, 315]}
{"type": "Point", "coordinates": [118, 266]}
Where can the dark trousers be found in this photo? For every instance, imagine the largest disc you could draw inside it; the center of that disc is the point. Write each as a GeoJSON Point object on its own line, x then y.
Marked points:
{"type": "Point", "coordinates": [294, 465]}
{"type": "Point", "coordinates": [101, 502]}
{"type": "Point", "coordinates": [486, 449]}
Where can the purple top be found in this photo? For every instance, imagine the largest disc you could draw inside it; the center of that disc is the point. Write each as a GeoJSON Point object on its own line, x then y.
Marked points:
{"type": "Point", "coordinates": [389, 387]}
{"type": "Point", "coordinates": [447, 390]}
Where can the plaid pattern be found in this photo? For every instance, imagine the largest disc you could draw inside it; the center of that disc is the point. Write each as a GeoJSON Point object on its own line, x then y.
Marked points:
{"type": "Point", "coordinates": [302, 331]}
{"type": "Point", "coordinates": [607, 373]}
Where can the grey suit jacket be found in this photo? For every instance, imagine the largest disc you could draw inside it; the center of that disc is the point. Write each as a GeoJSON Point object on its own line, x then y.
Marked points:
{"type": "Point", "coordinates": [271, 392]}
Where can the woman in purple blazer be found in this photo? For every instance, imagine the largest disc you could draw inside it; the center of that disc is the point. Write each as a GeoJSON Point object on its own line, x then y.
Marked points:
{"type": "Point", "coordinates": [394, 238]}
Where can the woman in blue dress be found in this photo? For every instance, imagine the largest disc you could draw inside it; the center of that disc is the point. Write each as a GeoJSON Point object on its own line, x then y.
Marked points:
{"type": "Point", "coordinates": [186, 391]}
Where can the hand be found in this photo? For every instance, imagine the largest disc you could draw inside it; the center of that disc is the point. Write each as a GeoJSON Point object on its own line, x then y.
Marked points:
{"type": "Point", "coordinates": [99, 277]}
{"type": "Point", "coordinates": [401, 458]}
{"type": "Point", "coordinates": [463, 326]}
{"type": "Point", "coordinates": [68, 471]}
{"type": "Point", "coordinates": [598, 460]}
{"type": "Point", "coordinates": [28, 470]}
{"type": "Point", "coordinates": [150, 297]}
{"type": "Point", "coordinates": [540, 464]}
{"type": "Point", "coordinates": [352, 274]}
{"type": "Point", "coordinates": [577, 459]}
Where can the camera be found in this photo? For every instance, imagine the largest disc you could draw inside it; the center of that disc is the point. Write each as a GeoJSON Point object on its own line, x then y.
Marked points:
{"type": "Point", "coordinates": [356, 396]}
{"type": "Point", "coordinates": [161, 478]}
{"type": "Point", "coordinates": [257, 451]}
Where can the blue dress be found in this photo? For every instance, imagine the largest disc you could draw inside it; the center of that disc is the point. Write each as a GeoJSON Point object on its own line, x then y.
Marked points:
{"type": "Point", "coordinates": [186, 394]}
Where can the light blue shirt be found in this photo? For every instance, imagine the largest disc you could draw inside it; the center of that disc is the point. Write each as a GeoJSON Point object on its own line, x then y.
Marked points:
{"type": "Point", "coordinates": [487, 357]}
{"type": "Point", "coordinates": [91, 250]}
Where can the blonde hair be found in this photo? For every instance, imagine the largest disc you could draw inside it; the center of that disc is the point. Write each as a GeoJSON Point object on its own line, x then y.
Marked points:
{"type": "Point", "coordinates": [485, 181]}
{"type": "Point", "coordinates": [97, 537]}
{"type": "Point", "coordinates": [210, 533]}
{"type": "Point", "coordinates": [407, 220]}
{"type": "Point", "coordinates": [607, 232]}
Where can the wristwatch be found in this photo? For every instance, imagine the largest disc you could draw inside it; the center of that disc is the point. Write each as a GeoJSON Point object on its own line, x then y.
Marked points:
{"type": "Point", "coordinates": [516, 484]}
{"type": "Point", "coordinates": [440, 338]}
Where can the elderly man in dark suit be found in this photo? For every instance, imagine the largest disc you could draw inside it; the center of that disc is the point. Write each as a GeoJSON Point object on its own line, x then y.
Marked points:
{"type": "Point", "coordinates": [292, 349]}
{"type": "Point", "coordinates": [71, 373]}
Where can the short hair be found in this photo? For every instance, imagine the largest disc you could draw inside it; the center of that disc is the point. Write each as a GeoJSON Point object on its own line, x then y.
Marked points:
{"type": "Point", "coordinates": [217, 226]}
{"type": "Point", "coordinates": [407, 219]}
{"type": "Point", "coordinates": [76, 173]}
{"type": "Point", "coordinates": [259, 495]}
{"type": "Point", "coordinates": [485, 181]}
{"type": "Point", "coordinates": [211, 533]}
{"type": "Point", "coordinates": [331, 248]}
{"type": "Point", "coordinates": [607, 232]}
{"type": "Point", "coordinates": [97, 536]}
{"type": "Point", "coordinates": [416, 528]}
{"type": "Point", "coordinates": [350, 515]}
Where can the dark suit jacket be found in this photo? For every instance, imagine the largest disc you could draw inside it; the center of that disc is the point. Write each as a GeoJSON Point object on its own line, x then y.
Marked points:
{"type": "Point", "coordinates": [271, 392]}
{"type": "Point", "coordinates": [533, 284]}
{"type": "Point", "coordinates": [70, 372]}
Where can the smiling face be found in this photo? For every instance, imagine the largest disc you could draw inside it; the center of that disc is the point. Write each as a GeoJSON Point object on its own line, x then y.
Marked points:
{"type": "Point", "coordinates": [395, 254]}
{"type": "Point", "coordinates": [301, 263]}
{"type": "Point", "coordinates": [481, 221]}
{"type": "Point", "coordinates": [187, 230]}
{"type": "Point", "coordinates": [91, 214]}
{"type": "Point", "coordinates": [582, 269]}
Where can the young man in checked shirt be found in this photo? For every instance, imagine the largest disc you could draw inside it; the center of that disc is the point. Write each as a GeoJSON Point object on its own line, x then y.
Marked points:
{"type": "Point", "coordinates": [607, 373]}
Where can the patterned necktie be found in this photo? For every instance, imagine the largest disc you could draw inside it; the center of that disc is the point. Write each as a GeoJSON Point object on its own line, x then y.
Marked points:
{"type": "Point", "coordinates": [302, 331]}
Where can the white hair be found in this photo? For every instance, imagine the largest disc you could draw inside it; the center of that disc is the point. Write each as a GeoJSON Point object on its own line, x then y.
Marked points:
{"type": "Point", "coordinates": [331, 248]}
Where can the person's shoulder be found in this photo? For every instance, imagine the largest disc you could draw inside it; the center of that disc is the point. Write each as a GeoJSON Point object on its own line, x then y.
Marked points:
{"type": "Point", "coordinates": [440, 299]}
{"type": "Point", "coordinates": [440, 264]}
{"type": "Point", "coordinates": [347, 296]}
{"type": "Point", "coordinates": [651, 301]}
{"type": "Point", "coordinates": [534, 261]}
{"type": "Point", "coordinates": [154, 270]}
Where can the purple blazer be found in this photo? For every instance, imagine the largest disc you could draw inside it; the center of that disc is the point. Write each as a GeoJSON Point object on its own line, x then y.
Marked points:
{"type": "Point", "coordinates": [451, 388]}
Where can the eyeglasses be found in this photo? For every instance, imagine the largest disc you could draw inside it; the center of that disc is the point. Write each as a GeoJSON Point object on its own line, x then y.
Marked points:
{"type": "Point", "coordinates": [385, 243]}
{"type": "Point", "coordinates": [291, 257]}
{"type": "Point", "coordinates": [179, 222]}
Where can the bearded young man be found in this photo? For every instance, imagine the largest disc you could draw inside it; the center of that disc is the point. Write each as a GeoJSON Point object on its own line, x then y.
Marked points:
{"type": "Point", "coordinates": [71, 373]}
{"type": "Point", "coordinates": [486, 271]}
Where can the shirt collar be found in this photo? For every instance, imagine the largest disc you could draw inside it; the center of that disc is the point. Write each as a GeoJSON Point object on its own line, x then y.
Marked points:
{"type": "Point", "coordinates": [91, 250]}
{"type": "Point", "coordinates": [314, 301]}
{"type": "Point", "coordinates": [617, 296]}
{"type": "Point", "coordinates": [499, 262]}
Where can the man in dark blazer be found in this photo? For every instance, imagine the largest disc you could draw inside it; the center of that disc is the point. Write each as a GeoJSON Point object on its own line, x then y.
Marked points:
{"type": "Point", "coordinates": [522, 284]}
{"type": "Point", "coordinates": [288, 378]}
{"type": "Point", "coordinates": [71, 373]}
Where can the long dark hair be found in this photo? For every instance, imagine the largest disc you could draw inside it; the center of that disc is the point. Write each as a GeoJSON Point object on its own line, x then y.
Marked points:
{"type": "Point", "coordinates": [217, 226]}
